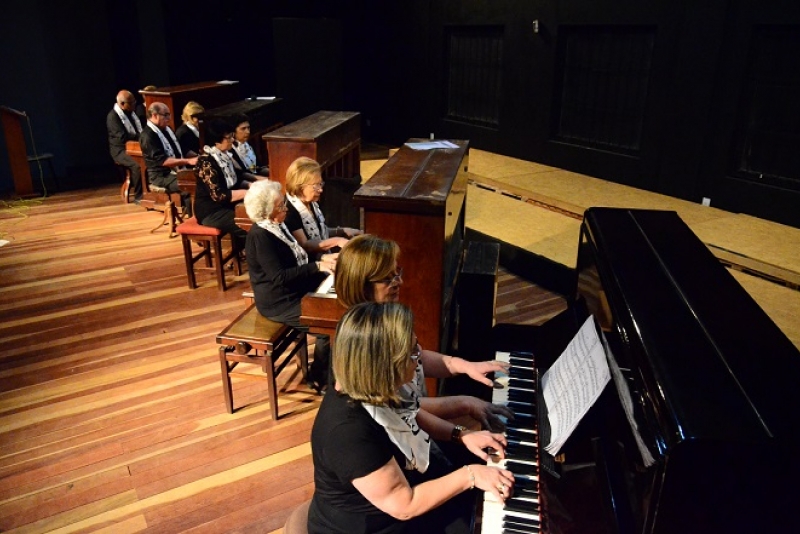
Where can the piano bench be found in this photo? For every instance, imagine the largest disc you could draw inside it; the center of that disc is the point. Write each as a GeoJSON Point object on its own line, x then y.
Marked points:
{"type": "Point", "coordinates": [125, 190]}
{"type": "Point", "coordinates": [297, 522]}
{"type": "Point", "coordinates": [253, 339]}
{"type": "Point", "coordinates": [211, 241]}
{"type": "Point", "coordinates": [156, 198]}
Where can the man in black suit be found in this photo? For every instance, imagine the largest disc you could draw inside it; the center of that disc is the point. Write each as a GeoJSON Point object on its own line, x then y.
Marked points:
{"type": "Point", "coordinates": [123, 125]}
{"type": "Point", "coordinates": [162, 152]}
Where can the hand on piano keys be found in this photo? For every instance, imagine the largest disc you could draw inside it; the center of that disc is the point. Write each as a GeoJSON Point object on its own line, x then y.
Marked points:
{"type": "Point", "coordinates": [494, 481]}
{"type": "Point", "coordinates": [491, 416]}
{"type": "Point", "coordinates": [477, 370]}
{"type": "Point", "coordinates": [520, 513]}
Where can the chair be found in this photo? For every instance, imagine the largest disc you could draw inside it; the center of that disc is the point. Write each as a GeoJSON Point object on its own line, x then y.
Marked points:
{"type": "Point", "coordinates": [208, 237]}
{"type": "Point", "coordinates": [253, 339]}
{"type": "Point", "coordinates": [297, 522]}
{"type": "Point", "coordinates": [155, 198]}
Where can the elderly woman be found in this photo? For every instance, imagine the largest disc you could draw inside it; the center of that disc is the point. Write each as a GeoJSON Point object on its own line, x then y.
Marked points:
{"type": "Point", "coordinates": [188, 133]}
{"type": "Point", "coordinates": [374, 469]}
{"type": "Point", "coordinates": [305, 220]}
{"type": "Point", "coordinates": [366, 271]}
{"type": "Point", "coordinates": [219, 187]}
{"type": "Point", "coordinates": [243, 154]}
{"type": "Point", "coordinates": [280, 273]}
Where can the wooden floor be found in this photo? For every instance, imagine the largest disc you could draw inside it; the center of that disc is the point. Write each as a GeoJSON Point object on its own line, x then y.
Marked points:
{"type": "Point", "coordinates": [111, 410]}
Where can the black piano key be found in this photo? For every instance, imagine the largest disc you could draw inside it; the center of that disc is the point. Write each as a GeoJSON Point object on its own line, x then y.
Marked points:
{"type": "Point", "coordinates": [511, 529]}
{"type": "Point", "coordinates": [529, 493]}
{"type": "Point", "coordinates": [525, 483]}
{"type": "Point", "coordinates": [521, 468]}
{"type": "Point", "coordinates": [520, 362]}
{"type": "Point", "coordinates": [521, 383]}
{"type": "Point", "coordinates": [521, 505]}
{"type": "Point", "coordinates": [522, 451]}
{"type": "Point", "coordinates": [521, 372]}
{"type": "Point", "coordinates": [516, 434]}
{"type": "Point", "coordinates": [525, 420]}
{"type": "Point", "coordinates": [520, 395]}
{"type": "Point", "coordinates": [520, 407]}
{"type": "Point", "coordinates": [521, 521]}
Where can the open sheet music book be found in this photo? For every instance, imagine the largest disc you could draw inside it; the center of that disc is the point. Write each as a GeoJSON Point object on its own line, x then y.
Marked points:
{"type": "Point", "coordinates": [574, 383]}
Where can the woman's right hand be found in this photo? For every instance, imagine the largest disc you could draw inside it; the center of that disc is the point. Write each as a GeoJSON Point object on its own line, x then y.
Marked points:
{"type": "Point", "coordinates": [498, 482]}
{"type": "Point", "coordinates": [327, 263]}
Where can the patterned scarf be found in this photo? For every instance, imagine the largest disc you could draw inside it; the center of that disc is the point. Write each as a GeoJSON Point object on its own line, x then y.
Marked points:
{"type": "Point", "coordinates": [134, 128]}
{"type": "Point", "coordinates": [245, 152]}
{"type": "Point", "coordinates": [167, 146]}
{"type": "Point", "coordinates": [281, 232]}
{"type": "Point", "coordinates": [309, 223]}
{"type": "Point", "coordinates": [225, 163]}
{"type": "Point", "coordinates": [402, 428]}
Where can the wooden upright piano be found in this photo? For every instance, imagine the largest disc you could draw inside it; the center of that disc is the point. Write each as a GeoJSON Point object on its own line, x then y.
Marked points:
{"type": "Point", "coordinates": [264, 116]}
{"type": "Point", "coordinates": [208, 94]}
{"type": "Point", "coordinates": [416, 199]}
{"type": "Point", "coordinates": [332, 138]}
{"type": "Point", "coordinates": [712, 396]}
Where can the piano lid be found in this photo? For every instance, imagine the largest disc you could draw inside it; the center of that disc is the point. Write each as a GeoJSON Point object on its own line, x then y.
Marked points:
{"type": "Point", "coordinates": [714, 363]}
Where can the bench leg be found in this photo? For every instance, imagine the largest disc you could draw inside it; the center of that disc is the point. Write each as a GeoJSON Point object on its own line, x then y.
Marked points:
{"type": "Point", "coordinates": [272, 387]}
{"type": "Point", "coordinates": [188, 259]}
{"type": "Point", "coordinates": [126, 187]}
{"type": "Point", "coordinates": [219, 265]}
{"type": "Point", "coordinates": [226, 380]}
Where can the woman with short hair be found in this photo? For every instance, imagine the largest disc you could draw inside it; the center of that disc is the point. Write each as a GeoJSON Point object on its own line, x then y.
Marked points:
{"type": "Point", "coordinates": [188, 133]}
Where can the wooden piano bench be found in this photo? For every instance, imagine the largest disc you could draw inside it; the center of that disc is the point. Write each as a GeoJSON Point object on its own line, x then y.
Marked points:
{"type": "Point", "coordinates": [253, 339]}
{"type": "Point", "coordinates": [212, 252]}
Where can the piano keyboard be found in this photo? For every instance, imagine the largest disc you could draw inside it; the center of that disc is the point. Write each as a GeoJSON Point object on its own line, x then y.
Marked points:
{"type": "Point", "coordinates": [521, 512]}
{"type": "Point", "coordinates": [326, 286]}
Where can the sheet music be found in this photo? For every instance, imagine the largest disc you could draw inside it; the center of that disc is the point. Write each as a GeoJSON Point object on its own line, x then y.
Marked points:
{"type": "Point", "coordinates": [574, 383]}
{"type": "Point", "coordinates": [430, 145]}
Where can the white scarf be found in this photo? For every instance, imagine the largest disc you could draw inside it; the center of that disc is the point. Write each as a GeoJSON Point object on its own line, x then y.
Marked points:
{"type": "Point", "coordinates": [402, 428]}
{"type": "Point", "coordinates": [281, 232]}
{"type": "Point", "coordinates": [134, 129]}
{"type": "Point", "coordinates": [225, 163]}
{"type": "Point", "coordinates": [164, 142]}
{"type": "Point", "coordinates": [247, 154]}
{"type": "Point", "coordinates": [193, 128]}
{"type": "Point", "coordinates": [309, 224]}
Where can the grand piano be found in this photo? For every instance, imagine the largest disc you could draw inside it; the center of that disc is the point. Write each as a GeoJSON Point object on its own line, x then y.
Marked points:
{"type": "Point", "coordinates": [712, 382]}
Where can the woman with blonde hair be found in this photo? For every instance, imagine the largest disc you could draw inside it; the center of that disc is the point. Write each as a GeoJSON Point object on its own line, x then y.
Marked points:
{"type": "Point", "coordinates": [304, 187]}
{"type": "Point", "coordinates": [375, 470]}
{"type": "Point", "coordinates": [188, 133]}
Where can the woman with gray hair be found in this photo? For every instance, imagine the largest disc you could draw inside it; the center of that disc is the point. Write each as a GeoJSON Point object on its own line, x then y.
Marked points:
{"type": "Point", "coordinates": [280, 273]}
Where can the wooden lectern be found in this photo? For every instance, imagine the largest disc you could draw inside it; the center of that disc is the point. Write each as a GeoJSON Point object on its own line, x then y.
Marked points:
{"type": "Point", "coordinates": [17, 152]}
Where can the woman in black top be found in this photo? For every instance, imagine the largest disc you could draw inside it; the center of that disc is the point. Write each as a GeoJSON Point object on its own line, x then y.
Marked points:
{"type": "Point", "coordinates": [188, 133]}
{"type": "Point", "coordinates": [280, 271]}
{"type": "Point", "coordinates": [374, 468]}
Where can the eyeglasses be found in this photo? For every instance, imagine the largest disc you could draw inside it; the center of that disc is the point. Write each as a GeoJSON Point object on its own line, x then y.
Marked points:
{"type": "Point", "coordinates": [229, 137]}
{"type": "Point", "coordinates": [165, 114]}
{"type": "Point", "coordinates": [416, 353]}
{"type": "Point", "coordinates": [283, 206]}
{"type": "Point", "coordinates": [317, 187]}
{"type": "Point", "coordinates": [395, 279]}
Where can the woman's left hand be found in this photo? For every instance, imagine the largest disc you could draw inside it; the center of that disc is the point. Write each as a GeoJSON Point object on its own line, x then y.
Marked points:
{"type": "Point", "coordinates": [351, 232]}
{"type": "Point", "coordinates": [476, 442]}
{"type": "Point", "coordinates": [478, 370]}
{"type": "Point", "coordinates": [488, 414]}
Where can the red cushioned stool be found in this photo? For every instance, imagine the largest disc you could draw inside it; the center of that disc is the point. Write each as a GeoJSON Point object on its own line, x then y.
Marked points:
{"type": "Point", "coordinates": [211, 241]}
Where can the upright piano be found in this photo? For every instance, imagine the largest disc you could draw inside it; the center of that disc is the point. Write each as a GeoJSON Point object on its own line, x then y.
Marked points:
{"type": "Point", "coordinates": [332, 138]}
{"type": "Point", "coordinates": [208, 94]}
{"type": "Point", "coordinates": [712, 382]}
{"type": "Point", "coordinates": [264, 116]}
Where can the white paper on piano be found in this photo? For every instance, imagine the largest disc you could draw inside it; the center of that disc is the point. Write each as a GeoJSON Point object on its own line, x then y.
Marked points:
{"type": "Point", "coordinates": [326, 286]}
{"type": "Point", "coordinates": [430, 145]}
{"type": "Point", "coordinates": [627, 404]}
{"type": "Point", "coordinates": [574, 383]}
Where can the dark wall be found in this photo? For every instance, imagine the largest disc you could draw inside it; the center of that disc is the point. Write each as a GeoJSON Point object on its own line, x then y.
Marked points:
{"type": "Point", "coordinates": [703, 106]}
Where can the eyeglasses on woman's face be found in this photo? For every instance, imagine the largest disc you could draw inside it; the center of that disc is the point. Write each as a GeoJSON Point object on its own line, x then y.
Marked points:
{"type": "Point", "coordinates": [316, 187]}
{"type": "Point", "coordinates": [416, 353]}
{"type": "Point", "coordinates": [393, 280]}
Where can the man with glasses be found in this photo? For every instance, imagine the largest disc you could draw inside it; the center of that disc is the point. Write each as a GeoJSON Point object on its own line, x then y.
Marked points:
{"type": "Point", "coordinates": [162, 152]}
{"type": "Point", "coordinates": [123, 125]}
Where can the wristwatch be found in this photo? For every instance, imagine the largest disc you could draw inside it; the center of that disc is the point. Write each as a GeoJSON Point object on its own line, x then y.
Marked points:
{"type": "Point", "coordinates": [458, 430]}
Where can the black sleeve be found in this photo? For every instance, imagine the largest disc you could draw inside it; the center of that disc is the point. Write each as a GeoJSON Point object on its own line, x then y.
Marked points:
{"type": "Point", "coordinates": [293, 221]}
{"type": "Point", "coordinates": [356, 449]}
{"type": "Point", "coordinates": [117, 135]}
{"type": "Point", "coordinates": [269, 253]}
{"type": "Point", "coordinates": [152, 149]}
{"type": "Point", "coordinates": [212, 180]}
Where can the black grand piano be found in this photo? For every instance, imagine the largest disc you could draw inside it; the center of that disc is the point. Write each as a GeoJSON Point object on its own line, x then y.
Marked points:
{"type": "Point", "coordinates": [714, 385]}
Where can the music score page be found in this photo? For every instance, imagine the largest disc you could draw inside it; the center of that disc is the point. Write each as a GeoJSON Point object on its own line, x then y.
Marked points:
{"type": "Point", "coordinates": [574, 383]}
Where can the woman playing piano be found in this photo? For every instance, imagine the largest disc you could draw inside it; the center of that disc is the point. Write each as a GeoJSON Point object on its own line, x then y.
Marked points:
{"type": "Point", "coordinates": [188, 133]}
{"type": "Point", "coordinates": [280, 271]}
{"type": "Point", "coordinates": [305, 220]}
{"type": "Point", "coordinates": [367, 270]}
{"type": "Point", "coordinates": [375, 470]}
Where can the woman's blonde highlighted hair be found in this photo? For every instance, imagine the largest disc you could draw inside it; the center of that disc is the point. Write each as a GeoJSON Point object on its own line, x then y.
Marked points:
{"type": "Point", "coordinates": [365, 259]}
{"type": "Point", "coordinates": [372, 351]}
{"type": "Point", "coordinates": [301, 172]}
{"type": "Point", "coordinates": [191, 109]}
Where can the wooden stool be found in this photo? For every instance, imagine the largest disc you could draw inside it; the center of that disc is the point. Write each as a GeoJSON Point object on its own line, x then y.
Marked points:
{"type": "Point", "coordinates": [124, 191]}
{"type": "Point", "coordinates": [211, 241]}
{"type": "Point", "coordinates": [252, 338]}
{"type": "Point", "coordinates": [297, 522]}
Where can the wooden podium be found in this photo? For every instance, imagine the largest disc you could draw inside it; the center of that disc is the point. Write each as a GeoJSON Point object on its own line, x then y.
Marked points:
{"type": "Point", "coordinates": [17, 152]}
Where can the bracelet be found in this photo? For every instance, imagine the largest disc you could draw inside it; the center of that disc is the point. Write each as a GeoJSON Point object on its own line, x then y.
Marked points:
{"type": "Point", "coordinates": [471, 477]}
{"type": "Point", "coordinates": [455, 435]}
